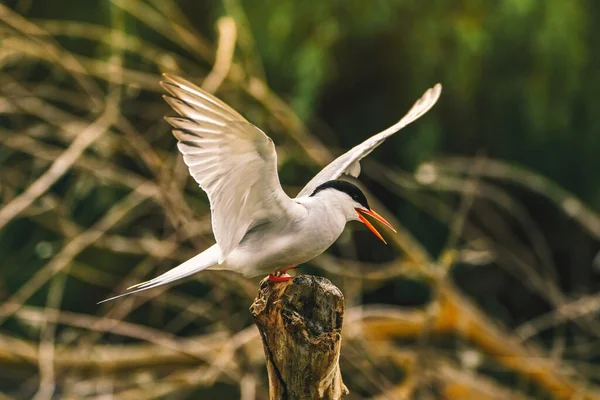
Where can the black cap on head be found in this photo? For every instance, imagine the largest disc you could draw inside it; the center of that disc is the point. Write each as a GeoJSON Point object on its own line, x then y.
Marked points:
{"type": "Point", "coordinates": [346, 187]}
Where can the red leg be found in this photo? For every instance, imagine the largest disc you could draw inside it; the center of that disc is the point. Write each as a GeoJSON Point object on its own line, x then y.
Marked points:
{"type": "Point", "coordinates": [274, 278]}
{"type": "Point", "coordinates": [282, 276]}
{"type": "Point", "coordinates": [283, 271]}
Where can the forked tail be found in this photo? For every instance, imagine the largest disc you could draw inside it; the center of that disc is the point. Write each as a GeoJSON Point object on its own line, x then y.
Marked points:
{"type": "Point", "coordinates": [202, 261]}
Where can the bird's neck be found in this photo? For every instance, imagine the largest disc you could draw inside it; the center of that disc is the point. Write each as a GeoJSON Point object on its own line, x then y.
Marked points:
{"type": "Point", "coordinates": [324, 221]}
{"type": "Point", "coordinates": [332, 205]}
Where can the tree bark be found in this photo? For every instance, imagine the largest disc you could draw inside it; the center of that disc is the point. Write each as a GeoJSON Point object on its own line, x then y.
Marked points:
{"type": "Point", "coordinates": [300, 323]}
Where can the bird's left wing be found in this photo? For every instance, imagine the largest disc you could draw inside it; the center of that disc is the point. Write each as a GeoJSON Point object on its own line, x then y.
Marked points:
{"type": "Point", "coordinates": [232, 160]}
{"type": "Point", "coordinates": [349, 162]}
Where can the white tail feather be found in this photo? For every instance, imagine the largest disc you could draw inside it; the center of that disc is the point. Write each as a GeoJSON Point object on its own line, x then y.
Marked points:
{"type": "Point", "coordinates": [202, 261]}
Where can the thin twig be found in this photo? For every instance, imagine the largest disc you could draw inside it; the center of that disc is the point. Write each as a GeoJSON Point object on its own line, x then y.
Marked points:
{"type": "Point", "coordinates": [223, 56]}
{"type": "Point", "coordinates": [58, 168]}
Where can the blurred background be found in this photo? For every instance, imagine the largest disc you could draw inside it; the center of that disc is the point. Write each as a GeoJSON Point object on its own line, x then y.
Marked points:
{"type": "Point", "coordinates": [490, 288]}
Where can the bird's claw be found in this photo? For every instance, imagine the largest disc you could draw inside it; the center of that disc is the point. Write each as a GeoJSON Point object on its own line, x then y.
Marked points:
{"type": "Point", "coordinates": [282, 276]}
{"type": "Point", "coordinates": [277, 277]}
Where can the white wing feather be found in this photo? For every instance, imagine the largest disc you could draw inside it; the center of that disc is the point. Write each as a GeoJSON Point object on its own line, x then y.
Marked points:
{"type": "Point", "coordinates": [349, 162]}
{"type": "Point", "coordinates": [233, 161]}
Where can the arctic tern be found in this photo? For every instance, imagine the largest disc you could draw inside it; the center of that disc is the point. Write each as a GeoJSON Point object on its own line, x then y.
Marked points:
{"type": "Point", "coordinates": [257, 227]}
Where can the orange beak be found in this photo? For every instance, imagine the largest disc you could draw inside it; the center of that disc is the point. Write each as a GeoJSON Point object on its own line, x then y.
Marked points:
{"type": "Point", "coordinates": [369, 225]}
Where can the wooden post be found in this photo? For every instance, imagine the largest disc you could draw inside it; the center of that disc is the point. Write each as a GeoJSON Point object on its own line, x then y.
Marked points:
{"type": "Point", "coordinates": [300, 322]}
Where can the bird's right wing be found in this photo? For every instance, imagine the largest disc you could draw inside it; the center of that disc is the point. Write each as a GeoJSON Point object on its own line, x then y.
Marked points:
{"type": "Point", "coordinates": [349, 163]}
{"type": "Point", "coordinates": [232, 160]}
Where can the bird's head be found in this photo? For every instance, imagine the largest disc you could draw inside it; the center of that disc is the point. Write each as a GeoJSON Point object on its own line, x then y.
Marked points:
{"type": "Point", "coordinates": [350, 200]}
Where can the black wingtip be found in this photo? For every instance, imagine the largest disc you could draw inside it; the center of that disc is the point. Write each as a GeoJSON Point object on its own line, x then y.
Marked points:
{"type": "Point", "coordinates": [173, 101]}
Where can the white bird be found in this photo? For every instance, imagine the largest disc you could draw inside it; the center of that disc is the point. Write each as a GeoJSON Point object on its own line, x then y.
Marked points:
{"type": "Point", "coordinates": [257, 227]}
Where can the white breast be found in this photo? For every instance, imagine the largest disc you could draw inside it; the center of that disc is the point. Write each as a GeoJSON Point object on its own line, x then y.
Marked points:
{"type": "Point", "coordinates": [281, 244]}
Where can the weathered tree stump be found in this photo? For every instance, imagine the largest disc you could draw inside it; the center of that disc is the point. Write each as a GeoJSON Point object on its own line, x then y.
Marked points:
{"type": "Point", "coordinates": [300, 322]}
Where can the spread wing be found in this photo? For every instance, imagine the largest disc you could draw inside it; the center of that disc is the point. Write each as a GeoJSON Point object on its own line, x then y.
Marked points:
{"type": "Point", "coordinates": [349, 163]}
{"type": "Point", "coordinates": [233, 161]}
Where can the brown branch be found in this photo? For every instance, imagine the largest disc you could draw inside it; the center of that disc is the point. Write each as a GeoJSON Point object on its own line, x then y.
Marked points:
{"type": "Point", "coordinates": [106, 358]}
{"type": "Point", "coordinates": [456, 315]}
{"type": "Point", "coordinates": [451, 380]}
{"type": "Point", "coordinates": [223, 56]}
{"type": "Point", "coordinates": [300, 323]}
{"type": "Point", "coordinates": [58, 168]}
{"type": "Point", "coordinates": [70, 251]}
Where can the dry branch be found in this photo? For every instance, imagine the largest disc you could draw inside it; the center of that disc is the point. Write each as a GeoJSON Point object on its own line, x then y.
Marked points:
{"type": "Point", "coordinates": [58, 168]}
{"type": "Point", "coordinates": [456, 315]}
{"type": "Point", "coordinates": [300, 322]}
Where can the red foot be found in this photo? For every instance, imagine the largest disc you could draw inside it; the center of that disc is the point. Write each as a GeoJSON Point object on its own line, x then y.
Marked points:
{"type": "Point", "coordinates": [281, 276]}
{"type": "Point", "coordinates": [274, 278]}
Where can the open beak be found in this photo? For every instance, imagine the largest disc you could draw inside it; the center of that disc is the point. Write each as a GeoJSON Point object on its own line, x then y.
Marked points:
{"type": "Point", "coordinates": [369, 225]}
